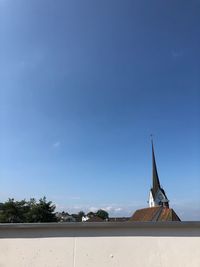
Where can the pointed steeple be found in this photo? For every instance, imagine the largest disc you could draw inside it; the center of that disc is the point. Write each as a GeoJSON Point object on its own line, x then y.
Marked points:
{"type": "Point", "coordinates": [157, 196]}
{"type": "Point", "coordinates": [155, 179]}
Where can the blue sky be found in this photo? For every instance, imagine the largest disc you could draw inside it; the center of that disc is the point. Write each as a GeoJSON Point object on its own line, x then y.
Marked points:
{"type": "Point", "coordinates": [83, 85]}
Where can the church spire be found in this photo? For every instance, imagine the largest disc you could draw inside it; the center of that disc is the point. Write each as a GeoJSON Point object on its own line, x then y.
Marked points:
{"type": "Point", "coordinates": [155, 179]}
{"type": "Point", "coordinates": [157, 196]}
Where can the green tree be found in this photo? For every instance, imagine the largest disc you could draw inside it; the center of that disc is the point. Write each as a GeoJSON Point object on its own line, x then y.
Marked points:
{"type": "Point", "coordinates": [102, 214]}
{"type": "Point", "coordinates": [91, 214]}
{"type": "Point", "coordinates": [80, 215]}
{"type": "Point", "coordinates": [42, 211]}
{"type": "Point", "coordinates": [13, 211]}
{"type": "Point", "coordinates": [27, 211]}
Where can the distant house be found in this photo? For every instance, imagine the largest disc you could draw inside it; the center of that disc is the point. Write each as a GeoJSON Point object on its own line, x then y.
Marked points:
{"type": "Point", "coordinates": [92, 217]}
{"type": "Point", "coordinates": [158, 202]}
{"type": "Point", "coordinates": [85, 218]}
{"type": "Point", "coordinates": [65, 217]}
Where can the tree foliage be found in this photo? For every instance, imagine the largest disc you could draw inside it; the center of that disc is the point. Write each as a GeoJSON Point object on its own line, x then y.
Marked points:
{"type": "Point", "coordinates": [102, 214]}
{"type": "Point", "coordinates": [80, 215]}
{"type": "Point", "coordinates": [34, 211]}
{"type": "Point", "coordinates": [91, 214]}
{"type": "Point", "coordinates": [27, 211]}
{"type": "Point", "coordinates": [13, 211]}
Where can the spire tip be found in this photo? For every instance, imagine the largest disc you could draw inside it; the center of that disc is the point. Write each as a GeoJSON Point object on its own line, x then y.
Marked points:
{"type": "Point", "coordinates": [151, 136]}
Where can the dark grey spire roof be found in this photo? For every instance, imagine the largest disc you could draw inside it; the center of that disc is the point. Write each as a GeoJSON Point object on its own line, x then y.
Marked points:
{"type": "Point", "coordinates": [156, 182]}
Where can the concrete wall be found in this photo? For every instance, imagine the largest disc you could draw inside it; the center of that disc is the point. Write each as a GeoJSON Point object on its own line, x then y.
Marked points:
{"type": "Point", "coordinates": [100, 245]}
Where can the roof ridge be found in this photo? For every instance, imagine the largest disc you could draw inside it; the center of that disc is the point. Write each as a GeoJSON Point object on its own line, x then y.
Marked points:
{"type": "Point", "coordinates": [157, 214]}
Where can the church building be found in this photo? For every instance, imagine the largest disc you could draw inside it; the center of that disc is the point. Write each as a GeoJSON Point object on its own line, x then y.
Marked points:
{"type": "Point", "coordinates": [158, 202]}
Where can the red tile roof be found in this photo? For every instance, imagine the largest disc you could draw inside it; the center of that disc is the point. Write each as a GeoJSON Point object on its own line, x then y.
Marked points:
{"type": "Point", "coordinates": [155, 214]}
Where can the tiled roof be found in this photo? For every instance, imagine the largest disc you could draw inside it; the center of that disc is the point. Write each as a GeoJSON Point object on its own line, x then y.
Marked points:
{"type": "Point", "coordinates": [155, 214]}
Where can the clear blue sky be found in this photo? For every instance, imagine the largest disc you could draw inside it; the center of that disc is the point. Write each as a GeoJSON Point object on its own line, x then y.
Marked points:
{"type": "Point", "coordinates": [82, 86]}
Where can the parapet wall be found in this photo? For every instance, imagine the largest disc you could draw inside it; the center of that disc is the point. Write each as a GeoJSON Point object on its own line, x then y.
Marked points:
{"type": "Point", "coordinates": [126, 244]}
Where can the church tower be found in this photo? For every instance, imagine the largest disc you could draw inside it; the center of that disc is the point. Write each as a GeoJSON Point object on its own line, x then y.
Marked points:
{"type": "Point", "coordinates": [158, 210]}
{"type": "Point", "coordinates": [157, 196]}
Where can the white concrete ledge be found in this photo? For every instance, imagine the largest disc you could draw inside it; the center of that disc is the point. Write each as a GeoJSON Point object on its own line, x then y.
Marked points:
{"type": "Point", "coordinates": [104, 244]}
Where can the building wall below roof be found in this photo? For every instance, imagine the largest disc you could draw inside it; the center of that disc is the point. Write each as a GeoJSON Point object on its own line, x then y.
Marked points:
{"type": "Point", "coordinates": [151, 200]}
